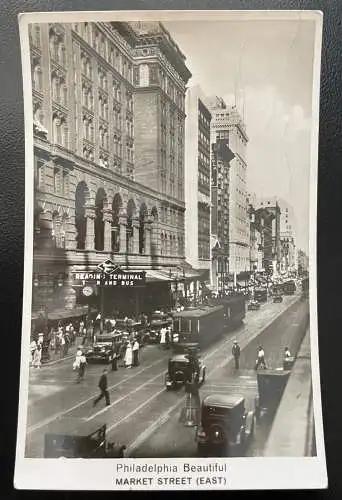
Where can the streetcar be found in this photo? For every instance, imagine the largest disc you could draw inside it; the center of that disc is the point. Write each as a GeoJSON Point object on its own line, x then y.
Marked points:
{"type": "Point", "coordinates": [204, 324]}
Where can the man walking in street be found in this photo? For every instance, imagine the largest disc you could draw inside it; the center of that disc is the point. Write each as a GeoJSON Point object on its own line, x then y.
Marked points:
{"type": "Point", "coordinates": [236, 354]}
{"type": "Point", "coordinates": [260, 358]}
{"type": "Point", "coordinates": [103, 385]}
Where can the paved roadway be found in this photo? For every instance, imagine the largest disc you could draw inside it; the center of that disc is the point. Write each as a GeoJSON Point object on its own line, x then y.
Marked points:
{"type": "Point", "coordinates": [142, 414]}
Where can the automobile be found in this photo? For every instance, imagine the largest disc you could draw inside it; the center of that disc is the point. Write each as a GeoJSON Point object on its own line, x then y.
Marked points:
{"type": "Point", "coordinates": [183, 365]}
{"type": "Point", "coordinates": [254, 305]}
{"type": "Point", "coordinates": [158, 321]}
{"type": "Point", "coordinates": [271, 385]}
{"type": "Point", "coordinates": [226, 425]}
{"type": "Point", "coordinates": [70, 439]}
{"type": "Point", "coordinates": [103, 348]}
{"type": "Point", "coordinates": [277, 298]}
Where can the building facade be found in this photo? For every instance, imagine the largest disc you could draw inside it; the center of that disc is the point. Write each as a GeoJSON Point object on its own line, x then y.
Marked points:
{"type": "Point", "coordinates": [221, 157]}
{"type": "Point", "coordinates": [228, 125]}
{"type": "Point", "coordinates": [106, 186]}
{"type": "Point", "coordinates": [197, 181]}
{"type": "Point", "coordinates": [272, 207]}
{"type": "Point", "coordinates": [303, 263]}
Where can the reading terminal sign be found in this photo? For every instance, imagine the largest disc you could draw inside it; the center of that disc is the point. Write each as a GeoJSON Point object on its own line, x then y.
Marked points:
{"type": "Point", "coordinates": [109, 274]}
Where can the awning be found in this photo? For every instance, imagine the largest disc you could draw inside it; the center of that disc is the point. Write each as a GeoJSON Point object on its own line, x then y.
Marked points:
{"type": "Point", "coordinates": [153, 275]}
{"type": "Point", "coordinates": [59, 314]}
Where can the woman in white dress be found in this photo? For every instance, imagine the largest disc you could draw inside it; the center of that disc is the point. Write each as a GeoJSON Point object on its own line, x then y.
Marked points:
{"type": "Point", "coordinates": [129, 356]}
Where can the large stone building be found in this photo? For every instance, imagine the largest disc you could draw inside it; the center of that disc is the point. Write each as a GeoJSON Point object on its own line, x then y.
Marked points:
{"type": "Point", "coordinates": [221, 157]}
{"type": "Point", "coordinates": [228, 125]}
{"type": "Point", "coordinates": [261, 245]}
{"type": "Point", "coordinates": [197, 181]}
{"type": "Point", "coordinates": [283, 233]}
{"type": "Point", "coordinates": [109, 113]}
{"type": "Point", "coordinates": [272, 206]}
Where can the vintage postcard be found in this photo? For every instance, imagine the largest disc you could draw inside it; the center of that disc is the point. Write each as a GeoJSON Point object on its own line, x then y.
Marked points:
{"type": "Point", "coordinates": [170, 305]}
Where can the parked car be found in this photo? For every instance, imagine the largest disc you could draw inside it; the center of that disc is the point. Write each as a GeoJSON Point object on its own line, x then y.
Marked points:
{"type": "Point", "coordinates": [226, 425]}
{"type": "Point", "coordinates": [86, 440]}
{"type": "Point", "coordinates": [254, 305]}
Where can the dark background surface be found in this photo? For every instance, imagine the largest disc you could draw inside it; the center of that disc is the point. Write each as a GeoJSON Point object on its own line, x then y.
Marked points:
{"type": "Point", "coordinates": [12, 161]}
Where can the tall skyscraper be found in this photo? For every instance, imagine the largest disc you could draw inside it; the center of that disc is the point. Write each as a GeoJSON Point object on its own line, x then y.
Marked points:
{"type": "Point", "coordinates": [227, 124]}
{"type": "Point", "coordinates": [197, 180]}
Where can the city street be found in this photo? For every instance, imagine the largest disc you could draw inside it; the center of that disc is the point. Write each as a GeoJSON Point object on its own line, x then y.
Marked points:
{"type": "Point", "coordinates": [142, 414]}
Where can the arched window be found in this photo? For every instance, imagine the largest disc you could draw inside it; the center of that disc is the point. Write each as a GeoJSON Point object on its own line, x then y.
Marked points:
{"type": "Point", "coordinates": [116, 206]}
{"type": "Point", "coordinates": [162, 244]}
{"type": "Point", "coordinates": [80, 217]}
{"type": "Point", "coordinates": [100, 200]}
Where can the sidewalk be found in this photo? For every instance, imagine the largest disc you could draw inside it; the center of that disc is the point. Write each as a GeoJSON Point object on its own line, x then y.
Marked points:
{"type": "Point", "coordinates": [55, 358]}
{"type": "Point", "coordinates": [292, 422]}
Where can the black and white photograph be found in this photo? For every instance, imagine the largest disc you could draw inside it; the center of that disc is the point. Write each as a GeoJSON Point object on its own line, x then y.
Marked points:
{"type": "Point", "coordinates": [170, 303]}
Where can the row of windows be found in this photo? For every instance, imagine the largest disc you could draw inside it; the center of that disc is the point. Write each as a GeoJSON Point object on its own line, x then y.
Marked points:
{"type": "Point", "coordinates": [204, 139]}
{"type": "Point", "coordinates": [203, 179]}
{"type": "Point", "coordinates": [59, 184]}
{"type": "Point", "coordinates": [203, 120]}
{"type": "Point", "coordinates": [171, 244]}
{"type": "Point", "coordinates": [105, 49]}
{"type": "Point", "coordinates": [57, 46]}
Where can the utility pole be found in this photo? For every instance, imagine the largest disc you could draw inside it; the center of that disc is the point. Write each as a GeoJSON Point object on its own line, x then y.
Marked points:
{"type": "Point", "coordinates": [102, 300]}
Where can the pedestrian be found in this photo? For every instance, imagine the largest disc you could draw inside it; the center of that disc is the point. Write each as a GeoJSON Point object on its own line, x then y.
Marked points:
{"type": "Point", "coordinates": [37, 356]}
{"type": "Point", "coordinates": [129, 355]}
{"type": "Point", "coordinates": [33, 347]}
{"type": "Point", "coordinates": [103, 386]}
{"type": "Point", "coordinates": [135, 350]}
{"type": "Point", "coordinates": [82, 367]}
{"type": "Point", "coordinates": [114, 361]}
{"type": "Point", "coordinates": [287, 353]}
{"type": "Point", "coordinates": [236, 351]}
{"type": "Point", "coordinates": [81, 327]}
{"type": "Point", "coordinates": [163, 332]}
{"type": "Point", "coordinates": [260, 358]}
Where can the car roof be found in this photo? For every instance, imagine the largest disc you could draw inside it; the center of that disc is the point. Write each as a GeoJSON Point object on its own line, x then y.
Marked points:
{"type": "Point", "coordinates": [223, 400]}
{"type": "Point", "coordinates": [180, 357]}
{"type": "Point", "coordinates": [198, 312]}
{"type": "Point", "coordinates": [72, 426]}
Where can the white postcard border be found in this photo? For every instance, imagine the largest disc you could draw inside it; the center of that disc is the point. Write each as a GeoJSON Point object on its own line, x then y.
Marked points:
{"type": "Point", "coordinates": [242, 473]}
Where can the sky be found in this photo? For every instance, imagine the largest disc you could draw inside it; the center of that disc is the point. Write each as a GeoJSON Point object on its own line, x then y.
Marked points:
{"type": "Point", "coordinates": [266, 69]}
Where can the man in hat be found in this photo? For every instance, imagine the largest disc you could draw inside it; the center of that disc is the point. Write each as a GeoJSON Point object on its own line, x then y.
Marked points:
{"type": "Point", "coordinates": [236, 351]}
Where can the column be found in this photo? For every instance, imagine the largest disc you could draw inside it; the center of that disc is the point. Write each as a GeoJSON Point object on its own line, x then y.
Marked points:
{"type": "Point", "coordinates": [155, 238]}
{"type": "Point", "coordinates": [135, 236]}
{"type": "Point", "coordinates": [122, 234]}
{"type": "Point", "coordinates": [90, 234]}
{"type": "Point", "coordinates": [107, 221]}
{"type": "Point", "coordinates": [148, 227]}
{"type": "Point", "coordinates": [69, 293]}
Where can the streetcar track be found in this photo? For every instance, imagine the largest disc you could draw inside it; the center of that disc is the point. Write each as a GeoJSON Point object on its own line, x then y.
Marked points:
{"type": "Point", "coordinates": [45, 422]}
{"type": "Point", "coordinates": [142, 438]}
{"type": "Point", "coordinates": [244, 341]}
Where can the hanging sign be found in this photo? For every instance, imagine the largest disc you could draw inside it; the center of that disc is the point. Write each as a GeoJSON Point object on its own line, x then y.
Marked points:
{"type": "Point", "coordinates": [109, 274]}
